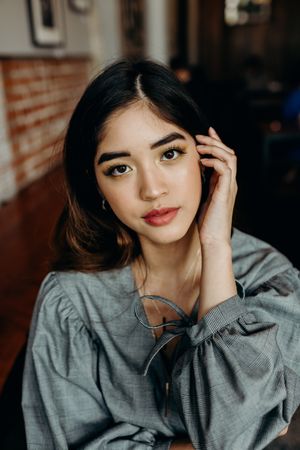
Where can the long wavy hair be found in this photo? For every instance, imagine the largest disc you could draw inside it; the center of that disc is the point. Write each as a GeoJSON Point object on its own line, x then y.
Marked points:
{"type": "Point", "coordinates": [88, 238]}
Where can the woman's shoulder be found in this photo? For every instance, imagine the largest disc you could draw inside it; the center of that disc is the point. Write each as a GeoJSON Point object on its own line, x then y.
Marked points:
{"type": "Point", "coordinates": [256, 261]}
{"type": "Point", "coordinates": [110, 282]}
{"type": "Point", "coordinates": [85, 296]}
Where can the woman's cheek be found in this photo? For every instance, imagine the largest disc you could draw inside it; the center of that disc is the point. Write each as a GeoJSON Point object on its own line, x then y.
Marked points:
{"type": "Point", "coordinates": [189, 176]}
{"type": "Point", "coordinates": [115, 200]}
{"type": "Point", "coordinates": [119, 197]}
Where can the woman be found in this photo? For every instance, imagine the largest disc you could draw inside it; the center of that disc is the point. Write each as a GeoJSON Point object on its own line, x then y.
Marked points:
{"type": "Point", "coordinates": [160, 326]}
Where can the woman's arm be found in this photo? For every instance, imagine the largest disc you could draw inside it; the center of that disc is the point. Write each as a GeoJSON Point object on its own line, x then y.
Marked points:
{"type": "Point", "coordinates": [237, 384]}
{"type": "Point", "coordinates": [217, 280]}
{"type": "Point", "coordinates": [215, 223]}
{"type": "Point", "coordinates": [63, 403]}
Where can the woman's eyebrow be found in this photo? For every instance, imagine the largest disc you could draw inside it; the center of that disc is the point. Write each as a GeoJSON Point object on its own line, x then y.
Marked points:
{"type": "Point", "coordinates": [108, 156]}
{"type": "Point", "coordinates": [167, 139]}
{"type": "Point", "coordinates": [111, 155]}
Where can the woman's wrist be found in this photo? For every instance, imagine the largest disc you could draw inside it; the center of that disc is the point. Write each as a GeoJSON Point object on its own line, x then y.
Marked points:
{"type": "Point", "coordinates": [214, 249]}
{"type": "Point", "coordinates": [217, 282]}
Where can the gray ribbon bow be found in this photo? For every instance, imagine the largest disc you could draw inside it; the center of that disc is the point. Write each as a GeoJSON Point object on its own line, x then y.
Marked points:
{"type": "Point", "coordinates": [179, 329]}
{"type": "Point", "coordinates": [180, 326]}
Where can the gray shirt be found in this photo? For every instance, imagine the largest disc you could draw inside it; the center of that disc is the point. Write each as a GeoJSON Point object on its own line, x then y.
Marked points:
{"type": "Point", "coordinates": [95, 377]}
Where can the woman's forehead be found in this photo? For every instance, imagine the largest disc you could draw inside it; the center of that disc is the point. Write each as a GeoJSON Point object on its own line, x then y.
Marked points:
{"type": "Point", "coordinates": [137, 123]}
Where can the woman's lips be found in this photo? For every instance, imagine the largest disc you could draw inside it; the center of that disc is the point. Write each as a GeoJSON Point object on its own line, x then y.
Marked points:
{"type": "Point", "coordinates": [161, 216]}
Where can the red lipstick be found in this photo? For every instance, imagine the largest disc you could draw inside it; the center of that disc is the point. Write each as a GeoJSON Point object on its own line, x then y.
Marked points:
{"type": "Point", "coordinates": [159, 217]}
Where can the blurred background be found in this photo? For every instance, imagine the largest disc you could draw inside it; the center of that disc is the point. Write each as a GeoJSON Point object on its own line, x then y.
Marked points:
{"type": "Point", "coordinates": [240, 61]}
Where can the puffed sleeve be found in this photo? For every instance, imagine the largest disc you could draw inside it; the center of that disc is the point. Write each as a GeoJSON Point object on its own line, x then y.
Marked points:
{"type": "Point", "coordinates": [62, 402]}
{"type": "Point", "coordinates": [237, 385]}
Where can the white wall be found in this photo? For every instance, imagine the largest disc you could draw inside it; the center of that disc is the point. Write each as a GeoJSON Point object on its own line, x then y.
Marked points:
{"type": "Point", "coordinates": [15, 32]}
{"type": "Point", "coordinates": [157, 29]}
{"type": "Point", "coordinates": [97, 34]}
{"type": "Point", "coordinates": [110, 30]}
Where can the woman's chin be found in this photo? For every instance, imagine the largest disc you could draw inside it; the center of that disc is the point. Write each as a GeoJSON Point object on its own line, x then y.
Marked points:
{"type": "Point", "coordinates": [165, 235]}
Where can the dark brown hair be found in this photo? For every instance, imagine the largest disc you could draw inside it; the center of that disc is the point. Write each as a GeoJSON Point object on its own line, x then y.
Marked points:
{"type": "Point", "coordinates": [88, 238]}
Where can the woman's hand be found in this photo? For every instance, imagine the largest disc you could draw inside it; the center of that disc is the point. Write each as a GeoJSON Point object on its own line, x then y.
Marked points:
{"type": "Point", "coordinates": [215, 219]}
{"type": "Point", "coordinates": [217, 281]}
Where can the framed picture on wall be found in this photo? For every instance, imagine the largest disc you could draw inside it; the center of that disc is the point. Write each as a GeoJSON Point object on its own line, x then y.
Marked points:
{"type": "Point", "coordinates": [81, 6]}
{"type": "Point", "coordinates": [247, 12]}
{"type": "Point", "coordinates": [46, 21]}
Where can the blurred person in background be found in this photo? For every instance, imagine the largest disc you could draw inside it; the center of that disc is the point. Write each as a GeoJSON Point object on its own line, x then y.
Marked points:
{"type": "Point", "coordinates": [161, 325]}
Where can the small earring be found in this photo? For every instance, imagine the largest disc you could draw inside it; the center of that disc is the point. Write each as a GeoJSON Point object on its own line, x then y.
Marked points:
{"type": "Point", "coordinates": [103, 204]}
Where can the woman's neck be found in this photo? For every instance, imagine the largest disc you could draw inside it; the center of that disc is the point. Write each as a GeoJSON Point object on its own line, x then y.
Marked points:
{"type": "Point", "coordinates": [177, 262]}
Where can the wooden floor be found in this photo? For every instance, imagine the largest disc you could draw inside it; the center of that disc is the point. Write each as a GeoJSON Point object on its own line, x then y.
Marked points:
{"type": "Point", "coordinates": [25, 227]}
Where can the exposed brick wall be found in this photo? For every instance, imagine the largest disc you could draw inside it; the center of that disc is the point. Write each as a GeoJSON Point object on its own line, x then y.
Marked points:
{"type": "Point", "coordinates": [37, 97]}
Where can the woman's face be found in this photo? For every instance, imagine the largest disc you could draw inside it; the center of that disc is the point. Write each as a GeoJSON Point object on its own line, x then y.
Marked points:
{"type": "Point", "coordinates": [148, 171]}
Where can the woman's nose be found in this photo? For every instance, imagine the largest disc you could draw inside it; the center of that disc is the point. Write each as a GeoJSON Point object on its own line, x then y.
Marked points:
{"type": "Point", "coordinates": [152, 184]}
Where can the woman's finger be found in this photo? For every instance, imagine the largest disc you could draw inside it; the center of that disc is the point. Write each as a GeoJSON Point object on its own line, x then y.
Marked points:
{"type": "Point", "coordinates": [221, 168]}
{"type": "Point", "coordinates": [227, 178]}
{"type": "Point", "coordinates": [207, 140]}
{"type": "Point", "coordinates": [220, 154]}
{"type": "Point", "coordinates": [212, 132]}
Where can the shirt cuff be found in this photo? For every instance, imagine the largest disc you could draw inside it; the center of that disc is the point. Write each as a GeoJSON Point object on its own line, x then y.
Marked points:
{"type": "Point", "coordinates": [219, 317]}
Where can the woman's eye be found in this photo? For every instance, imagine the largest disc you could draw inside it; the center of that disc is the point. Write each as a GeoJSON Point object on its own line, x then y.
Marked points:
{"type": "Point", "coordinates": [171, 154]}
{"type": "Point", "coordinates": [117, 171]}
